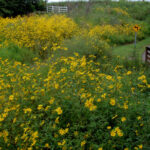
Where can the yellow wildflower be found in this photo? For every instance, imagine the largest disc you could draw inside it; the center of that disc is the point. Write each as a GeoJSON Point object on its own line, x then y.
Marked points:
{"type": "Point", "coordinates": [140, 146]}
{"type": "Point", "coordinates": [51, 101]}
{"type": "Point", "coordinates": [27, 110]}
{"type": "Point", "coordinates": [108, 127]}
{"type": "Point", "coordinates": [59, 111]}
{"type": "Point", "coordinates": [40, 107]}
{"type": "Point", "coordinates": [11, 97]}
{"type": "Point", "coordinates": [139, 118]}
{"type": "Point", "coordinates": [108, 77]}
{"type": "Point", "coordinates": [98, 100]}
{"type": "Point", "coordinates": [47, 145]}
{"type": "Point", "coordinates": [113, 133]}
{"type": "Point", "coordinates": [83, 143]}
{"type": "Point", "coordinates": [123, 119]}
{"type": "Point", "coordinates": [129, 72]}
{"type": "Point", "coordinates": [62, 143]}
{"type": "Point", "coordinates": [112, 101]}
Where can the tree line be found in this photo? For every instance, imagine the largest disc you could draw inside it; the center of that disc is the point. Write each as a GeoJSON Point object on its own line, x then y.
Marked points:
{"type": "Point", "coordinates": [12, 8]}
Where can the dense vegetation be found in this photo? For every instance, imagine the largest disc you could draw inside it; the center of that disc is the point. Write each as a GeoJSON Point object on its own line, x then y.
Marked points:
{"type": "Point", "coordinates": [61, 86]}
{"type": "Point", "coordinates": [12, 8]}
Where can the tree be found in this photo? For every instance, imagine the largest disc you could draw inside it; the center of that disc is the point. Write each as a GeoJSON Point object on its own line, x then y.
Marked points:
{"type": "Point", "coordinates": [12, 8]}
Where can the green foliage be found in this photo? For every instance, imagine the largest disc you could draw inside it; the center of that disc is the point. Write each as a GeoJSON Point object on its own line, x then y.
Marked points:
{"type": "Point", "coordinates": [133, 9]}
{"type": "Point", "coordinates": [127, 50]}
{"type": "Point", "coordinates": [14, 53]}
{"type": "Point", "coordinates": [101, 12]}
{"type": "Point", "coordinates": [87, 46]}
{"type": "Point", "coordinates": [12, 8]}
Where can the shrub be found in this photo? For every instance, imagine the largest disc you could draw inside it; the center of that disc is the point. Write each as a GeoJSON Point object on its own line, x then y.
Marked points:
{"type": "Point", "coordinates": [38, 33]}
{"type": "Point", "coordinates": [85, 45]}
{"type": "Point", "coordinates": [14, 7]}
{"type": "Point", "coordinates": [118, 34]}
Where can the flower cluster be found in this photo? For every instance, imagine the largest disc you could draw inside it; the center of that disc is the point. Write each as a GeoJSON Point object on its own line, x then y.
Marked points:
{"type": "Point", "coordinates": [117, 34]}
{"type": "Point", "coordinates": [39, 33]}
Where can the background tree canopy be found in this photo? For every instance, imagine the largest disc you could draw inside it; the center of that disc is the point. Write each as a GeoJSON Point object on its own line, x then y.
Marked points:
{"type": "Point", "coordinates": [12, 8]}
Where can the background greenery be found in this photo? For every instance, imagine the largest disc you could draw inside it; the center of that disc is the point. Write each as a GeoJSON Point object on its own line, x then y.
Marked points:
{"type": "Point", "coordinates": [12, 8]}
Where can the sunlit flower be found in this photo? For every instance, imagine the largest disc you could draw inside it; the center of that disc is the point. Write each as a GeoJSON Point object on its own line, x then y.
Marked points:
{"type": "Point", "coordinates": [112, 101]}
{"type": "Point", "coordinates": [59, 111]}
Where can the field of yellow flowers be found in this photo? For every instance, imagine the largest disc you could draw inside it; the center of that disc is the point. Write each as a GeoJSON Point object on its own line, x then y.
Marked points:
{"type": "Point", "coordinates": [44, 34]}
{"type": "Point", "coordinates": [75, 105]}
{"type": "Point", "coordinates": [74, 102]}
{"type": "Point", "coordinates": [36, 33]}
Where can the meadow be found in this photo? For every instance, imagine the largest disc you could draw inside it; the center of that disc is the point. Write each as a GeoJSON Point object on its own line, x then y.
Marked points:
{"type": "Point", "coordinates": [66, 84]}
